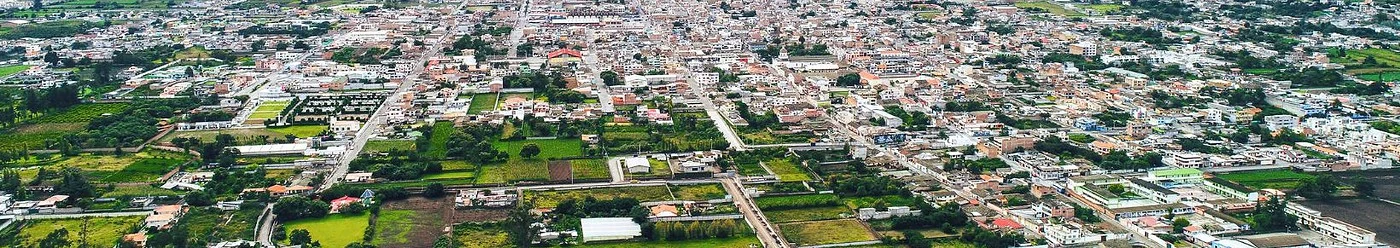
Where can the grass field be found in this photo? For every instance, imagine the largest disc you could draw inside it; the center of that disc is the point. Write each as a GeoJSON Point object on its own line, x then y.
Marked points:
{"type": "Point", "coordinates": [1048, 7]}
{"type": "Point", "coordinates": [698, 192]}
{"type": "Point", "coordinates": [101, 231]}
{"type": "Point", "coordinates": [1105, 8]}
{"type": "Point", "coordinates": [143, 170]}
{"type": "Point", "coordinates": [870, 201]}
{"type": "Point", "coordinates": [242, 136]}
{"type": "Point", "coordinates": [457, 165]}
{"type": "Point", "coordinates": [81, 113]}
{"type": "Point", "coordinates": [390, 145]}
{"type": "Point", "coordinates": [336, 230]}
{"type": "Point", "coordinates": [139, 191]}
{"type": "Point", "coordinates": [742, 241]}
{"type": "Point", "coordinates": [268, 110]}
{"type": "Point", "coordinates": [590, 169]}
{"type": "Point", "coordinates": [806, 214]}
{"type": "Point", "coordinates": [8, 70]}
{"type": "Point", "coordinates": [549, 148]}
{"type": "Point", "coordinates": [551, 198]}
{"type": "Point", "coordinates": [393, 226]}
{"type": "Point", "coordinates": [518, 169]}
{"type": "Point", "coordinates": [482, 103]}
{"type": "Point", "coordinates": [826, 232]}
{"type": "Point", "coordinates": [787, 171]}
{"type": "Point", "coordinates": [1271, 179]}
{"type": "Point", "coordinates": [458, 174]}
{"type": "Point", "coordinates": [751, 169]}
{"type": "Point", "coordinates": [473, 235]}
{"type": "Point", "coordinates": [301, 131]}
{"type": "Point", "coordinates": [437, 143]}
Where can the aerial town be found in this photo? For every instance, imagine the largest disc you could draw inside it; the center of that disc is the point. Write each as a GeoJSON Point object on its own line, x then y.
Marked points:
{"type": "Point", "coordinates": [700, 123]}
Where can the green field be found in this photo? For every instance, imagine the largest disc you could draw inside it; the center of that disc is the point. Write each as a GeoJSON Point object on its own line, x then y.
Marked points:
{"type": "Point", "coordinates": [1105, 8]}
{"type": "Point", "coordinates": [549, 148]}
{"type": "Point", "coordinates": [551, 198]}
{"type": "Point", "coordinates": [806, 214]}
{"type": "Point", "coordinates": [8, 70]}
{"type": "Point", "coordinates": [1267, 179]}
{"type": "Point", "coordinates": [242, 136]}
{"type": "Point", "coordinates": [787, 171]}
{"type": "Point", "coordinates": [301, 131]}
{"type": "Point", "coordinates": [482, 103]}
{"type": "Point", "coordinates": [474, 235]}
{"type": "Point", "coordinates": [337, 230]}
{"type": "Point", "coordinates": [698, 192]}
{"type": "Point", "coordinates": [743, 241]}
{"type": "Point", "coordinates": [457, 165]}
{"type": "Point", "coordinates": [140, 191]}
{"type": "Point", "coordinates": [81, 113]}
{"type": "Point", "coordinates": [143, 170]}
{"type": "Point", "coordinates": [751, 169]}
{"type": "Point", "coordinates": [268, 110]}
{"type": "Point", "coordinates": [1052, 8]}
{"type": "Point", "coordinates": [519, 169]}
{"type": "Point", "coordinates": [458, 174]}
{"type": "Point", "coordinates": [100, 232]}
{"type": "Point", "coordinates": [590, 169]}
{"type": "Point", "coordinates": [826, 232]}
{"type": "Point", "coordinates": [437, 143]}
{"type": "Point", "coordinates": [390, 145]}
{"type": "Point", "coordinates": [393, 226]}
{"type": "Point", "coordinates": [1390, 76]}
{"type": "Point", "coordinates": [870, 201]}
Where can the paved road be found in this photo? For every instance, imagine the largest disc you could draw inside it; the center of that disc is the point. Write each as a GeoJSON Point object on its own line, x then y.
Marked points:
{"type": "Point", "coordinates": [377, 119]}
{"type": "Point", "coordinates": [518, 32]}
{"type": "Point", "coordinates": [265, 223]}
{"type": "Point", "coordinates": [615, 168]}
{"type": "Point", "coordinates": [735, 143]}
{"type": "Point", "coordinates": [767, 233]}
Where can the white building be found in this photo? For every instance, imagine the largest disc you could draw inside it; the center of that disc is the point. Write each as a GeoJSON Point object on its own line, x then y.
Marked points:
{"type": "Point", "coordinates": [636, 165]}
{"type": "Point", "coordinates": [615, 228]}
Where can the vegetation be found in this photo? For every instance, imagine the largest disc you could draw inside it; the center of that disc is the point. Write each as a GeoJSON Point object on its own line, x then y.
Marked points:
{"type": "Point", "coordinates": [826, 232]}
{"type": "Point", "coordinates": [797, 201]}
{"type": "Point", "coordinates": [1268, 179]}
{"type": "Point", "coordinates": [331, 231]}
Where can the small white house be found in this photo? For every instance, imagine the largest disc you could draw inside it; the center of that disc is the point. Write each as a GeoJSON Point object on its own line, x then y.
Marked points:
{"type": "Point", "coordinates": [637, 165]}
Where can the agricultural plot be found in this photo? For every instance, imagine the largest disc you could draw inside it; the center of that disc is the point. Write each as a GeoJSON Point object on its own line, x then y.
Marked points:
{"type": "Point", "coordinates": [826, 232]}
{"type": "Point", "coordinates": [268, 110]}
{"type": "Point", "coordinates": [740, 241]}
{"type": "Point", "coordinates": [796, 201]}
{"type": "Point", "coordinates": [589, 169]}
{"type": "Point", "coordinates": [301, 131]}
{"type": "Point", "coordinates": [1052, 8]}
{"type": "Point", "coordinates": [1267, 179]}
{"type": "Point", "coordinates": [454, 174]}
{"type": "Point", "coordinates": [480, 235]}
{"type": "Point", "coordinates": [482, 103]}
{"type": "Point", "coordinates": [751, 169]}
{"type": "Point", "coordinates": [1387, 66]}
{"type": "Point", "coordinates": [875, 201]}
{"type": "Point", "coordinates": [698, 192]}
{"type": "Point", "coordinates": [551, 198]}
{"type": "Point", "coordinates": [631, 139]}
{"type": "Point", "coordinates": [519, 169]}
{"type": "Point", "coordinates": [337, 230]}
{"type": "Point", "coordinates": [138, 191]}
{"type": "Point", "coordinates": [242, 136]}
{"type": "Point", "coordinates": [376, 146]}
{"type": "Point", "coordinates": [81, 113]}
{"type": "Point", "coordinates": [136, 168]}
{"type": "Point", "coordinates": [417, 221]}
{"type": "Point", "coordinates": [787, 171]}
{"type": "Point", "coordinates": [437, 143]}
{"type": "Point", "coordinates": [33, 136]}
{"type": "Point", "coordinates": [1105, 8]}
{"type": "Point", "coordinates": [6, 71]}
{"type": "Point", "coordinates": [807, 214]}
{"type": "Point", "coordinates": [99, 231]}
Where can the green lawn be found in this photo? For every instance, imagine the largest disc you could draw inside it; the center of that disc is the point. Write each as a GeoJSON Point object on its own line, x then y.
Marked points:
{"type": "Point", "coordinates": [475, 235]}
{"type": "Point", "coordinates": [482, 102]}
{"type": "Point", "coordinates": [741, 241]}
{"type": "Point", "coordinates": [787, 171]}
{"type": "Point", "coordinates": [826, 232]}
{"type": "Point", "coordinates": [268, 110]}
{"type": "Point", "coordinates": [437, 143]}
{"type": "Point", "coordinates": [80, 113]}
{"type": "Point", "coordinates": [518, 169]}
{"type": "Point", "coordinates": [551, 198]}
{"type": "Point", "coordinates": [301, 131]}
{"type": "Point", "coordinates": [100, 232]}
{"type": "Point", "coordinates": [806, 214]}
{"type": "Point", "coordinates": [393, 226]}
{"type": "Point", "coordinates": [8, 70]}
{"type": "Point", "coordinates": [698, 192]}
{"type": "Point", "coordinates": [337, 230]}
{"type": "Point", "coordinates": [1273, 179]}
{"type": "Point", "coordinates": [451, 175]}
{"type": "Point", "coordinates": [390, 145]}
{"type": "Point", "coordinates": [590, 169]}
{"type": "Point", "coordinates": [870, 201]}
{"type": "Point", "coordinates": [1048, 7]}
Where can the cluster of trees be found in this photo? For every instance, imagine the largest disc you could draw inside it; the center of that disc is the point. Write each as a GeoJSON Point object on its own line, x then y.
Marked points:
{"type": "Point", "coordinates": [765, 120]}
{"type": "Point", "coordinates": [867, 186]}
{"type": "Point", "coordinates": [473, 142]}
{"type": "Point", "coordinates": [916, 120]}
{"type": "Point", "coordinates": [1019, 123]}
{"type": "Point", "coordinates": [1150, 36]}
{"type": "Point", "coordinates": [350, 55]}
{"type": "Point", "coordinates": [538, 81]}
{"type": "Point", "coordinates": [966, 106]}
{"type": "Point", "coordinates": [1164, 100]}
{"type": "Point", "coordinates": [848, 80]}
{"type": "Point", "coordinates": [233, 181]}
{"type": "Point", "coordinates": [975, 166]}
{"type": "Point", "coordinates": [675, 230]}
{"type": "Point", "coordinates": [216, 115]}
{"type": "Point", "coordinates": [1005, 60]}
{"type": "Point", "coordinates": [946, 217]}
{"type": "Point", "coordinates": [609, 78]}
{"type": "Point", "coordinates": [299, 207]}
{"type": "Point", "coordinates": [1270, 216]}
{"type": "Point", "coordinates": [1311, 77]}
{"type": "Point", "coordinates": [1078, 61]}
{"type": "Point", "coordinates": [1244, 60]}
{"type": "Point", "coordinates": [62, 28]}
{"type": "Point", "coordinates": [1322, 187]}
{"type": "Point", "coordinates": [1238, 96]}
{"type": "Point", "coordinates": [318, 29]}
{"type": "Point", "coordinates": [1166, 10]}
{"type": "Point", "coordinates": [1113, 118]}
{"type": "Point", "coordinates": [1115, 160]}
{"type": "Point", "coordinates": [481, 47]}
{"type": "Point", "coordinates": [1196, 145]}
{"type": "Point", "coordinates": [396, 168]}
{"type": "Point", "coordinates": [211, 153]}
{"type": "Point", "coordinates": [593, 207]}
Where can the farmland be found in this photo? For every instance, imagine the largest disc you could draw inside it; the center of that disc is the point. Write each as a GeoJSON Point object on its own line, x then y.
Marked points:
{"type": "Point", "coordinates": [590, 169]}
{"type": "Point", "coordinates": [482, 103]}
{"type": "Point", "coordinates": [787, 171]}
{"type": "Point", "coordinates": [518, 169]}
{"type": "Point", "coordinates": [81, 113]}
{"type": "Point", "coordinates": [417, 221]}
{"type": "Point", "coordinates": [807, 214]}
{"type": "Point", "coordinates": [741, 241]}
{"type": "Point", "coordinates": [1370, 214]}
{"type": "Point", "coordinates": [337, 230]}
{"type": "Point", "coordinates": [551, 198]}
{"type": "Point", "coordinates": [100, 232]}
{"type": "Point", "coordinates": [797, 201]}
{"type": "Point", "coordinates": [241, 136]}
{"type": "Point", "coordinates": [1270, 179]}
{"type": "Point", "coordinates": [268, 110]}
{"type": "Point", "coordinates": [1052, 8]}
{"type": "Point", "coordinates": [480, 235]}
{"type": "Point", "coordinates": [698, 192]}
{"type": "Point", "coordinates": [6, 71]}
{"type": "Point", "coordinates": [389, 145]}
{"type": "Point", "coordinates": [301, 131]}
{"type": "Point", "coordinates": [437, 143]}
{"type": "Point", "coordinates": [826, 232]}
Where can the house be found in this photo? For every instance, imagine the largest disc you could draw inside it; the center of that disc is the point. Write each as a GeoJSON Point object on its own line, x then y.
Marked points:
{"type": "Point", "coordinates": [342, 202]}
{"type": "Point", "coordinates": [484, 198]}
{"type": "Point", "coordinates": [637, 165]}
{"type": "Point", "coordinates": [135, 239]}
{"type": "Point", "coordinates": [164, 217]}
{"type": "Point", "coordinates": [229, 205]}
{"type": "Point", "coordinates": [664, 210]}
{"type": "Point", "coordinates": [359, 177]}
{"type": "Point", "coordinates": [614, 228]}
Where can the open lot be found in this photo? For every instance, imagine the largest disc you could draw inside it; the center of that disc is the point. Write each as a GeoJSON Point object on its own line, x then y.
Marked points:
{"type": "Point", "coordinates": [698, 192]}
{"type": "Point", "coordinates": [301, 131]}
{"type": "Point", "coordinates": [806, 214]}
{"type": "Point", "coordinates": [100, 232]}
{"type": "Point", "coordinates": [336, 230]}
{"type": "Point", "coordinates": [1373, 215]}
{"type": "Point", "coordinates": [390, 145]}
{"type": "Point", "coordinates": [8, 70]}
{"type": "Point", "coordinates": [1271, 179]}
{"type": "Point", "coordinates": [551, 198]}
{"type": "Point", "coordinates": [590, 169]}
{"type": "Point", "coordinates": [826, 232]}
{"type": "Point", "coordinates": [268, 110]}
{"type": "Point", "coordinates": [482, 103]}
{"type": "Point", "coordinates": [1387, 182]}
{"type": "Point", "coordinates": [480, 235]}
{"type": "Point", "coordinates": [787, 171]}
{"type": "Point", "coordinates": [747, 240]}
{"type": "Point", "coordinates": [519, 169]}
{"type": "Point", "coordinates": [81, 113]}
{"type": "Point", "coordinates": [1052, 8]}
{"type": "Point", "coordinates": [417, 221]}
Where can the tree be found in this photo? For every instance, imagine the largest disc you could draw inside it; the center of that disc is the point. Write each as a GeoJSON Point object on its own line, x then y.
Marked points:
{"type": "Point", "coordinates": [519, 225]}
{"type": "Point", "coordinates": [257, 45]}
{"type": "Point", "coordinates": [74, 184]}
{"type": "Point", "coordinates": [38, 5]}
{"type": "Point", "coordinates": [1365, 188]}
{"type": "Point", "coordinates": [57, 238]}
{"type": "Point", "coordinates": [850, 79]}
{"type": "Point", "coordinates": [51, 58]}
{"type": "Point", "coordinates": [199, 199]}
{"type": "Point", "coordinates": [297, 207]}
{"type": "Point", "coordinates": [609, 78]}
{"type": "Point", "coordinates": [1270, 216]}
{"type": "Point", "coordinates": [530, 150]}
{"type": "Point", "coordinates": [434, 190]}
{"type": "Point", "coordinates": [1180, 224]}
{"type": "Point", "coordinates": [444, 242]}
{"type": "Point", "coordinates": [301, 237]}
{"type": "Point", "coordinates": [1321, 187]}
{"type": "Point", "coordinates": [189, 71]}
